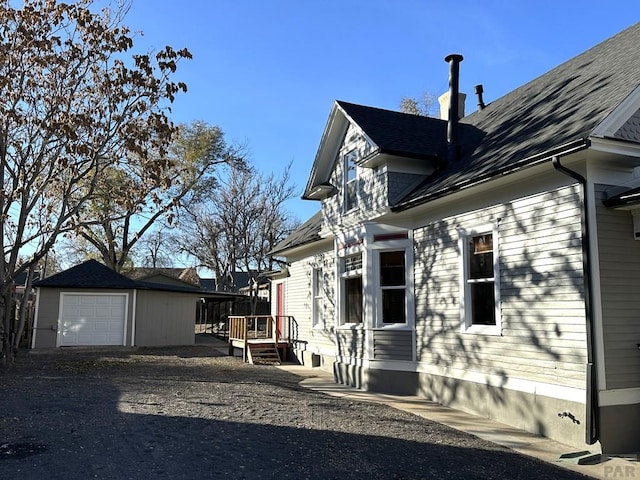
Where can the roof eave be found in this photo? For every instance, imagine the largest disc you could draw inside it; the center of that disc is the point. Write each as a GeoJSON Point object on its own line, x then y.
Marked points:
{"type": "Point", "coordinates": [562, 150]}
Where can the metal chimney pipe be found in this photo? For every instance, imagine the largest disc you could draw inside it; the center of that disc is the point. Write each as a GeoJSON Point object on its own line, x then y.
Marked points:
{"type": "Point", "coordinates": [453, 147]}
{"type": "Point", "coordinates": [479, 91]}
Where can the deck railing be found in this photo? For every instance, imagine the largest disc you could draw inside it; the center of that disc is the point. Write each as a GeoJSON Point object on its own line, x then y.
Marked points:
{"type": "Point", "coordinates": [277, 328]}
{"type": "Point", "coordinates": [243, 329]}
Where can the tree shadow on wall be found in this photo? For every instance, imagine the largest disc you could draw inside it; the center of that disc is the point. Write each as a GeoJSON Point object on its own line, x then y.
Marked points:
{"type": "Point", "coordinates": [543, 336]}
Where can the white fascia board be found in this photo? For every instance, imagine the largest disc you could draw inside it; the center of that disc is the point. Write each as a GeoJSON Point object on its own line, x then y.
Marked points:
{"type": "Point", "coordinates": [619, 116]}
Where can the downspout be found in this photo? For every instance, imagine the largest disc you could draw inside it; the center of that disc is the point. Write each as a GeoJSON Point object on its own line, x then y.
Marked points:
{"type": "Point", "coordinates": [592, 427]}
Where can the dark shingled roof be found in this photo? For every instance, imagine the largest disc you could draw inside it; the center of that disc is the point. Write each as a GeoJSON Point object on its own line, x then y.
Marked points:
{"type": "Point", "coordinates": [558, 108]}
{"type": "Point", "coordinates": [93, 274]}
{"type": "Point", "coordinates": [89, 274]}
{"type": "Point", "coordinates": [398, 133]}
{"type": "Point", "coordinates": [308, 232]}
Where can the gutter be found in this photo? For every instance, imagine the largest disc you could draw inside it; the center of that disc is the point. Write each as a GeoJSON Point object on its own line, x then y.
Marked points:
{"type": "Point", "coordinates": [592, 427]}
{"type": "Point", "coordinates": [532, 161]}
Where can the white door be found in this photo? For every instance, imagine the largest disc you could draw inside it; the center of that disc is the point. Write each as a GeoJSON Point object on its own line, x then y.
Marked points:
{"type": "Point", "coordinates": [92, 319]}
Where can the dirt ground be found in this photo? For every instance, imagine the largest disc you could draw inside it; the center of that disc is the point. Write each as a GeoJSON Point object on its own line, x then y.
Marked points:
{"type": "Point", "coordinates": [193, 413]}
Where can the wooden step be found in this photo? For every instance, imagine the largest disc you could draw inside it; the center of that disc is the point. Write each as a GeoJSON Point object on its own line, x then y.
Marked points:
{"type": "Point", "coordinates": [263, 353]}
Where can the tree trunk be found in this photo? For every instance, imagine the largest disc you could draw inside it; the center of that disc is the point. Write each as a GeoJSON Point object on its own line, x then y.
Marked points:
{"type": "Point", "coordinates": [5, 309]}
{"type": "Point", "coordinates": [19, 328]}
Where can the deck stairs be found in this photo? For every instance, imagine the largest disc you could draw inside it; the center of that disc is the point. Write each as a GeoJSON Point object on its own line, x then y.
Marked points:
{"type": "Point", "coordinates": [263, 353]}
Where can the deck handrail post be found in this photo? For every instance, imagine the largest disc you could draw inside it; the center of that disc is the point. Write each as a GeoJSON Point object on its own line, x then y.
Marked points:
{"type": "Point", "coordinates": [246, 339]}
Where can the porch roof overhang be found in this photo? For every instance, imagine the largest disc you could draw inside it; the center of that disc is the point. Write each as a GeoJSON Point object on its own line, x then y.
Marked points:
{"type": "Point", "coordinates": [628, 199]}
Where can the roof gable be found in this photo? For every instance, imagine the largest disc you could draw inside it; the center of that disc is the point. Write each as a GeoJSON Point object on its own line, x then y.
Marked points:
{"type": "Point", "coordinates": [624, 122]}
{"type": "Point", "coordinates": [390, 133]}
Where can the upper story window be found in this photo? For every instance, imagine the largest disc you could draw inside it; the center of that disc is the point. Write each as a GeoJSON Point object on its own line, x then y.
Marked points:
{"type": "Point", "coordinates": [480, 289]}
{"type": "Point", "coordinates": [350, 181]}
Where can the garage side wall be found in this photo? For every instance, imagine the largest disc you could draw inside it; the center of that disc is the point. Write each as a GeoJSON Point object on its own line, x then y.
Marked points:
{"type": "Point", "coordinates": [164, 318]}
{"type": "Point", "coordinates": [46, 329]}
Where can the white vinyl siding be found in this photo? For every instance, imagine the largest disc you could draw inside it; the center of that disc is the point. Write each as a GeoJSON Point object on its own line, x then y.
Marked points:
{"type": "Point", "coordinates": [372, 184]}
{"type": "Point", "coordinates": [541, 292]}
{"type": "Point", "coordinates": [619, 255]}
{"type": "Point", "coordinates": [298, 300]}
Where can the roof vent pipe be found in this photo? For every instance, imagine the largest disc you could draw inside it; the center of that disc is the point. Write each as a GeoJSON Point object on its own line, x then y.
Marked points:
{"type": "Point", "coordinates": [453, 146]}
{"type": "Point", "coordinates": [479, 91]}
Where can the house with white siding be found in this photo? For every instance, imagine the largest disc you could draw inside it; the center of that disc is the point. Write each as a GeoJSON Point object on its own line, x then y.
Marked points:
{"type": "Point", "coordinates": [490, 261]}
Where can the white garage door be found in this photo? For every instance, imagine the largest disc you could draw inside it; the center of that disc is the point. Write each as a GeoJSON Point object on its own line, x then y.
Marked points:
{"type": "Point", "coordinates": [92, 320]}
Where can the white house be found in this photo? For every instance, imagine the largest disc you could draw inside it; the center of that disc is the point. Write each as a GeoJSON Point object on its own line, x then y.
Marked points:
{"type": "Point", "coordinates": [488, 262]}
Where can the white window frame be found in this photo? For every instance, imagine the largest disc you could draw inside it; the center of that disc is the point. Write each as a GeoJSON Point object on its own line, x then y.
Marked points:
{"type": "Point", "coordinates": [346, 275]}
{"type": "Point", "coordinates": [466, 324]}
{"type": "Point", "coordinates": [350, 157]}
{"type": "Point", "coordinates": [382, 288]}
{"type": "Point", "coordinates": [317, 298]}
{"type": "Point", "coordinates": [396, 245]}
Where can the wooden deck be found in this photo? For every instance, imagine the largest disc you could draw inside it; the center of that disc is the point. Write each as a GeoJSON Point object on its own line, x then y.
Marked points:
{"type": "Point", "coordinates": [260, 337]}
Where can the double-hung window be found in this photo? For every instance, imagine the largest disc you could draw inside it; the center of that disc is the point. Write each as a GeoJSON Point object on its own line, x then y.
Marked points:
{"type": "Point", "coordinates": [350, 183]}
{"type": "Point", "coordinates": [480, 286]}
{"type": "Point", "coordinates": [393, 289]}
{"type": "Point", "coordinates": [351, 278]}
{"type": "Point", "coordinates": [317, 290]}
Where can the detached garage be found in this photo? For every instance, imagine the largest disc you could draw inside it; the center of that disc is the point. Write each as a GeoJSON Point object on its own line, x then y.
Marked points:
{"type": "Point", "coordinates": [91, 305]}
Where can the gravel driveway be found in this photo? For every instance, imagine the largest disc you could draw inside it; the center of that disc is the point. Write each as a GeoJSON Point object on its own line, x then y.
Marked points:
{"type": "Point", "coordinates": [192, 413]}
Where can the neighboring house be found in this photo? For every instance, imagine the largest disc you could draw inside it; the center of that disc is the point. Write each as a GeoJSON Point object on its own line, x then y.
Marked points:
{"type": "Point", "coordinates": [259, 287]}
{"type": "Point", "coordinates": [20, 282]}
{"type": "Point", "coordinates": [235, 281]}
{"type": "Point", "coordinates": [490, 264]}
{"type": "Point", "coordinates": [186, 277]}
{"type": "Point", "coordinates": [92, 305]}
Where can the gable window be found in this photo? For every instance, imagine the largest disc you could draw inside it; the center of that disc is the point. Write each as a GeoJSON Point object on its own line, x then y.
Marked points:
{"type": "Point", "coordinates": [317, 291]}
{"type": "Point", "coordinates": [479, 302]}
{"type": "Point", "coordinates": [350, 181]}
{"type": "Point", "coordinates": [393, 286]}
{"type": "Point", "coordinates": [351, 278]}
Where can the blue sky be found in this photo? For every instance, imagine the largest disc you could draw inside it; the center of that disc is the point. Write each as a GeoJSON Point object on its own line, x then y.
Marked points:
{"type": "Point", "coordinates": [268, 71]}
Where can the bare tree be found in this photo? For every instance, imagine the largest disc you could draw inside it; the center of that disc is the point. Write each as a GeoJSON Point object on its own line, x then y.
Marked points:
{"type": "Point", "coordinates": [157, 249]}
{"type": "Point", "coordinates": [425, 105]}
{"type": "Point", "coordinates": [236, 227]}
{"type": "Point", "coordinates": [72, 107]}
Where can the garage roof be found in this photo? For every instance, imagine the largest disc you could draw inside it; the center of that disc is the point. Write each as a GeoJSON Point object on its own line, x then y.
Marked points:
{"type": "Point", "coordinates": [93, 274]}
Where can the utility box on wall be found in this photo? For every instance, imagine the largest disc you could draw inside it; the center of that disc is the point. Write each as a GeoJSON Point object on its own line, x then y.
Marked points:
{"type": "Point", "coordinates": [636, 223]}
